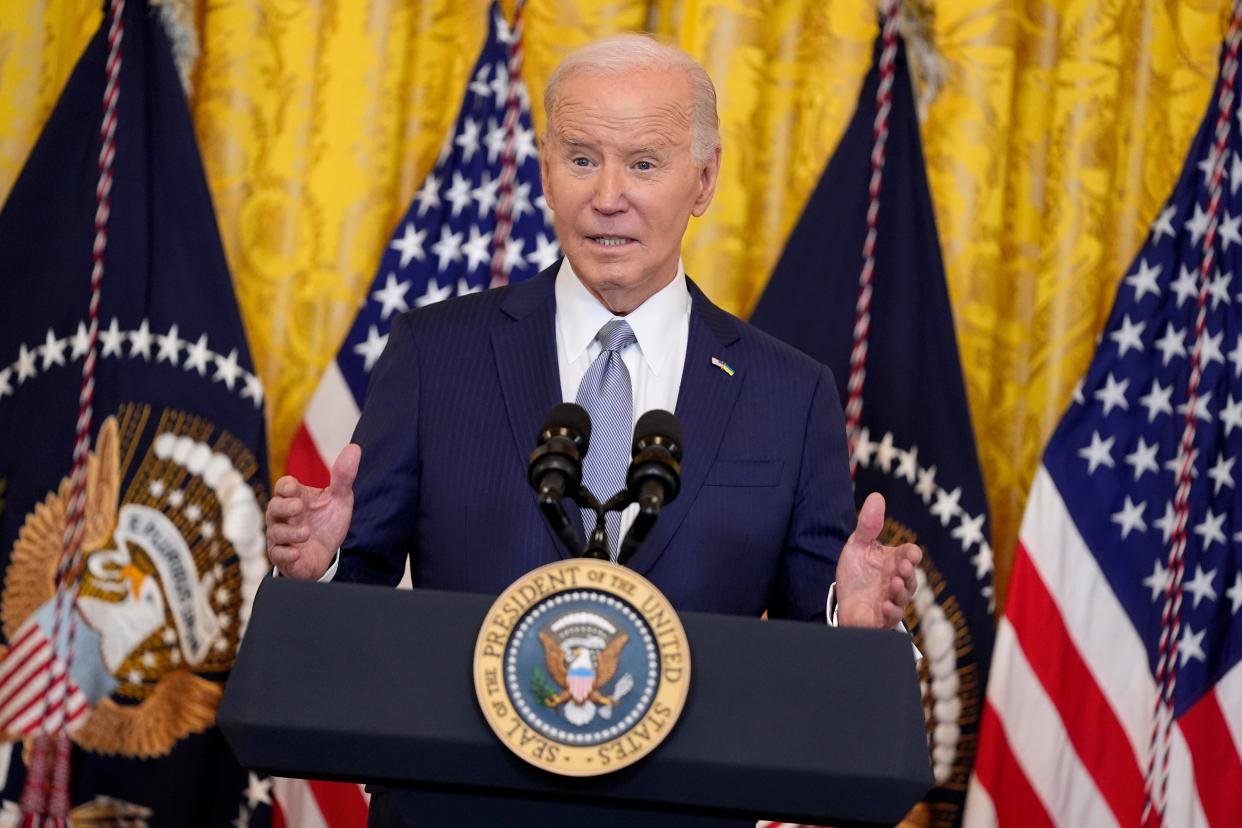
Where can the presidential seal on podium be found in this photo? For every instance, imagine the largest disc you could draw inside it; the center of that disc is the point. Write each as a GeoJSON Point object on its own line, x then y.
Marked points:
{"type": "Point", "coordinates": [582, 667]}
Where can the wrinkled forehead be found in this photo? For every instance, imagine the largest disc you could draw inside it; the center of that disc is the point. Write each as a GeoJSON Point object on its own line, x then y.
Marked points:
{"type": "Point", "coordinates": [636, 106]}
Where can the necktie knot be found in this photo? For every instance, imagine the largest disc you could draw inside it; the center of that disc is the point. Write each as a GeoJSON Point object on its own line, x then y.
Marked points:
{"type": "Point", "coordinates": [616, 335]}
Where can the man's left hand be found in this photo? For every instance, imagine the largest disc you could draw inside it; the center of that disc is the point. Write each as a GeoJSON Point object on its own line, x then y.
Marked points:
{"type": "Point", "coordinates": [874, 582]}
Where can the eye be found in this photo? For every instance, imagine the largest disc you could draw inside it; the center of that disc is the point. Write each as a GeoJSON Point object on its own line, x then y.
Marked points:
{"type": "Point", "coordinates": [644, 166]}
{"type": "Point", "coordinates": [580, 161]}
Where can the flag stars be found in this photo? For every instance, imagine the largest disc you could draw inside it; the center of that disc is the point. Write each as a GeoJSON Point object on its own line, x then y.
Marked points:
{"type": "Point", "coordinates": [1234, 593]}
{"type": "Point", "coordinates": [428, 198]}
{"type": "Point", "coordinates": [448, 248]}
{"type": "Point", "coordinates": [478, 250]}
{"type": "Point", "coordinates": [500, 83]}
{"type": "Point", "coordinates": [253, 389]}
{"type": "Point", "coordinates": [1235, 171]}
{"type": "Point", "coordinates": [495, 140]}
{"type": "Point", "coordinates": [464, 288]}
{"type": "Point", "coordinates": [410, 245]}
{"type": "Point", "coordinates": [521, 201]}
{"type": "Point", "coordinates": [1113, 394]}
{"type": "Point", "coordinates": [546, 252]}
{"type": "Point", "coordinates": [1198, 224]}
{"type": "Point", "coordinates": [196, 356]}
{"type": "Point", "coordinates": [946, 506]}
{"type": "Point", "coordinates": [969, 531]}
{"type": "Point", "coordinates": [926, 487]}
{"type": "Point", "coordinates": [53, 350]}
{"type": "Point", "coordinates": [485, 195]}
{"type": "Point", "coordinates": [908, 465]}
{"type": "Point", "coordinates": [1166, 522]}
{"type": "Point", "coordinates": [479, 85]}
{"type": "Point", "coordinates": [1208, 164]}
{"type": "Point", "coordinates": [885, 453]}
{"type": "Point", "coordinates": [1157, 581]}
{"type": "Point", "coordinates": [1157, 401]}
{"type": "Point", "coordinates": [6, 387]}
{"type": "Point", "coordinates": [1191, 645]}
{"type": "Point", "coordinates": [1222, 473]}
{"type": "Point", "coordinates": [140, 342]}
{"type": "Point", "coordinates": [1229, 231]}
{"type": "Point", "coordinates": [1186, 285]}
{"type": "Point", "coordinates": [81, 342]}
{"type": "Point", "coordinates": [982, 561]}
{"type": "Point", "coordinates": [864, 447]}
{"type": "Point", "coordinates": [1164, 226]}
{"type": "Point", "coordinates": [258, 791]}
{"type": "Point", "coordinates": [1211, 349]}
{"type": "Point", "coordinates": [371, 349]}
{"type": "Point", "coordinates": [1201, 585]}
{"type": "Point", "coordinates": [26, 367]}
{"type": "Point", "coordinates": [524, 145]}
{"type": "Point", "coordinates": [468, 140]}
{"type": "Point", "coordinates": [1099, 453]}
{"type": "Point", "coordinates": [513, 259]}
{"type": "Point", "coordinates": [1129, 335]}
{"type": "Point", "coordinates": [1144, 281]}
{"type": "Point", "coordinates": [392, 296]}
{"type": "Point", "coordinates": [1143, 458]}
{"type": "Point", "coordinates": [1174, 464]}
{"type": "Point", "coordinates": [1172, 344]}
{"type": "Point", "coordinates": [1231, 415]}
{"type": "Point", "coordinates": [1211, 529]}
{"type": "Point", "coordinates": [1218, 289]}
{"type": "Point", "coordinates": [169, 346]}
{"type": "Point", "coordinates": [1130, 517]}
{"type": "Point", "coordinates": [227, 369]}
{"type": "Point", "coordinates": [434, 293]}
{"type": "Point", "coordinates": [1235, 356]}
{"type": "Point", "coordinates": [459, 195]}
{"type": "Point", "coordinates": [112, 340]}
{"type": "Point", "coordinates": [1200, 407]}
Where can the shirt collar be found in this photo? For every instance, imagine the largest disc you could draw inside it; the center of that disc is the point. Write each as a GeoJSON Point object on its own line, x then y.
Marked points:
{"type": "Point", "coordinates": [579, 316]}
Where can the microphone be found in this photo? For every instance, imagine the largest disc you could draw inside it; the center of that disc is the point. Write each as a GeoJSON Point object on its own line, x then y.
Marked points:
{"type": "Point", "coordinates": [555, 469]}
{"type": "Point", "coordinates": [654, 477]}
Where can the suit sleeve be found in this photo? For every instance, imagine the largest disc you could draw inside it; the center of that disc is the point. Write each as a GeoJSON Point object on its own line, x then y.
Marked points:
{"type": "Point", "coordinates": [382, 532]}
{"type": "Point", "coordinates": [823, 511]}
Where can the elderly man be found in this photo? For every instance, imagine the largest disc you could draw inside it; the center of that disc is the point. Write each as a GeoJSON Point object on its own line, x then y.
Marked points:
{"type": "Point", "coordinates": [438, 470]}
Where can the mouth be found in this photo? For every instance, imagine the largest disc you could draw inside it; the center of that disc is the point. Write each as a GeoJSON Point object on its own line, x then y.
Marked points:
{"type": "Point", "coordinates": [612, 242]}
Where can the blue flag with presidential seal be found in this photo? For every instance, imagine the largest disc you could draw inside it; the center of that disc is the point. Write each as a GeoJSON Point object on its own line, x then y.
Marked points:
{"type": "Point", "coordinates": [176, 469]}
{"type": "Point", "coordinates": [913, 441]}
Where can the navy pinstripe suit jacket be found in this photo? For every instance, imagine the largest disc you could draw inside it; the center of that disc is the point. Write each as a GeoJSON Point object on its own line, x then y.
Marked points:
{"type": "Point", "coordinates": [453, 411]}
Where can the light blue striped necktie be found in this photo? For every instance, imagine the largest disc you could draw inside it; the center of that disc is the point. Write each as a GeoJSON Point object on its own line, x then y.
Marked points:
{"type": "Point", "coordinates": [606, 394]}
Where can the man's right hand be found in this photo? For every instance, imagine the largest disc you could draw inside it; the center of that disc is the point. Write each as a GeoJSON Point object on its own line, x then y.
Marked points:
{"type": "Point", "coordinates": [306, 526]}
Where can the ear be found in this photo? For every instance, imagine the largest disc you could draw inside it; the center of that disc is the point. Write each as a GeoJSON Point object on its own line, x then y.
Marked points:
{"type": "Point", "coordinates": [708, 175]}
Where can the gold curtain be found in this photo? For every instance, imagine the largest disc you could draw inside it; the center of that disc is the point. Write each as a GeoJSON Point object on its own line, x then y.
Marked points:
{"type": "Point", "coordinates": [1059, 130]}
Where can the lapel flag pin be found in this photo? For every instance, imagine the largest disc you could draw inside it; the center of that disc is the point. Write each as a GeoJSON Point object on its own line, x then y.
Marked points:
{"type": "Point", "coordinates": [723, 366]}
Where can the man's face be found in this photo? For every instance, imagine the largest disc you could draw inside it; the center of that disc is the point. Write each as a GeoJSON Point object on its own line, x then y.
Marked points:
{"type": "Point", "coordinates": [619, 172]}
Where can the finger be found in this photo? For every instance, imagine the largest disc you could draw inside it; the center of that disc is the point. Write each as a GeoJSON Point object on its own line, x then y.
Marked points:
{"type": "Point", "coordinates": [288, 486]}
{"type": "Point", "coordinates": [912, 553]}
{"type": "Point", "coordinates": [345, 469]}
{"type": "Point", "coordinates": [891, 613]}
{"type": "Point", "coordinates": [870, 519]}
{"type": "Point", "coordinates": [282, 557]}
{"type": "Point", "coordinates": [280, 534]}
{"type": "Point", "coordinates": [283, 508]}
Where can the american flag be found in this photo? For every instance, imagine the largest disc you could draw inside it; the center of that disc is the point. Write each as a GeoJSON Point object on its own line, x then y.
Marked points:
{"type": "Point", "coordinates": [1116, 690]}
{"type": "Point", "coordinates": [479, 220]}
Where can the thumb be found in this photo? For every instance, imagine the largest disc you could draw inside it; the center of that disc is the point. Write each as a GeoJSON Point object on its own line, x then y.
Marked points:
{"type": "Point", "coordinates": [870, 519]}
{"type": "Point", "coordinates": [344, 470]}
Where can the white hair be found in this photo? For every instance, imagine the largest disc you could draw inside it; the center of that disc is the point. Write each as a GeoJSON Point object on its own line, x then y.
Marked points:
{"type": "Point", "coordinates": [630, 52]}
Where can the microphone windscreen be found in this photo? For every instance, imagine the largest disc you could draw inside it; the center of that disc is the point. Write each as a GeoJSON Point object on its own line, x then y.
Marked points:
{"type": "Point", "coordinates": [657, 423]}
{"type": "Point", "coordinates": [570, 417]}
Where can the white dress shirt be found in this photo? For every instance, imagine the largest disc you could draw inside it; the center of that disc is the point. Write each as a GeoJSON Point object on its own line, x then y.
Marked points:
{"type": "Point", "coordinates": [655, 361]}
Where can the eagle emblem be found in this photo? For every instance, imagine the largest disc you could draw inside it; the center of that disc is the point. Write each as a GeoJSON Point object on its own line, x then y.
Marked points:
{"type": "Point", "coordinates": [581, 650]}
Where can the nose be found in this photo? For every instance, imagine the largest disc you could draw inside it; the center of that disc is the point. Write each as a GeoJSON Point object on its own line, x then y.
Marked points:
{"type": "Point", "coordinates": [609, 190]}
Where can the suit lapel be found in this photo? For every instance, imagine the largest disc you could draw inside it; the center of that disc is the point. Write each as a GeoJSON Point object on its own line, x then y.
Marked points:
{"type": "Point", "coordinates": [704, 405]}
{"type": "Point", "coordinates": [524, 347]}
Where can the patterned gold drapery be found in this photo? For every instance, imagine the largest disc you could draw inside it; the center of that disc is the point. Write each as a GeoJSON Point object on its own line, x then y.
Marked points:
{"type": "Point", "coordinates": [1059, 130]}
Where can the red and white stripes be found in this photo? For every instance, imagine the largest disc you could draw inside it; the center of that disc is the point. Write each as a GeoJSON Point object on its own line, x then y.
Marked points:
{"type": "Point", "coordinates": [508, 157]}
{"type": "Point", "coordinates": [1156, 777]}
{"type": "Point", "coordinates": [862, 319]}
